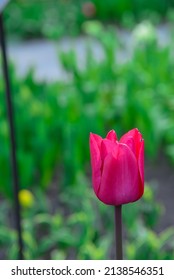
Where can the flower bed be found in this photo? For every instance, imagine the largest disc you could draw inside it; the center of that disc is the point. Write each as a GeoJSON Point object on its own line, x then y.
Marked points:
{"type": "Point", "coordinates": [53, 122]}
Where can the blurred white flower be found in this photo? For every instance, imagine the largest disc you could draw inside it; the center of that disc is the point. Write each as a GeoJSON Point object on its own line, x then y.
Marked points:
{"type": "Point", "coordinates": [144, 33]}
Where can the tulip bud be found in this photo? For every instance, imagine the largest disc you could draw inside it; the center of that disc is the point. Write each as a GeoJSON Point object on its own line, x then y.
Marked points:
{"type": "Point", "coordinates": [117, 167]}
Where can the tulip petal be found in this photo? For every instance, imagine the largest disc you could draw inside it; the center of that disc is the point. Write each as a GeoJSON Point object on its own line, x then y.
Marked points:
{"type": "Point", "coordinates": [95, 143]}
{"type": "Point", "coordinates": [141, 161]}
{"type": "Point", "coordinates": [130, 142]}
{"type": "Point", "coordinates": [120, 182]}
{"type": "Point", "coordinates": [98, 139]}
{"type": "Point", "coordinates": [107, 147]}
{"type": "Point", "coordinates": [112, 135]}
{"type": "Point", "coordinates": [133, 139]}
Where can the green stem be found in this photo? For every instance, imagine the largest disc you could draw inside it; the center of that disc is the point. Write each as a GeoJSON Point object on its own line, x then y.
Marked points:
{"type": "Point", "coordinates": [118, 233]}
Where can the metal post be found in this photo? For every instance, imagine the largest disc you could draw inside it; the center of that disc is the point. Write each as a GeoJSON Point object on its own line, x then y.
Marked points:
{"type": "Point", "coordinates": [12, 137]}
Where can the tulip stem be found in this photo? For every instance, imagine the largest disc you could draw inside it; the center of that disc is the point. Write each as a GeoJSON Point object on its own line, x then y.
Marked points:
{"type": "Point", "coordinates": [118, 232]}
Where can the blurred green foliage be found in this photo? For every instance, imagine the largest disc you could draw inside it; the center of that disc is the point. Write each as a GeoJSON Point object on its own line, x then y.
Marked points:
{"type": "Point", "coordinates": [55, 18]}
{"type": "Point", "coordinates": [51, 18]}
{"type": "Point", "coordinates": [86, 230]}
{"type": "Point", "coordinates": [53, 122]}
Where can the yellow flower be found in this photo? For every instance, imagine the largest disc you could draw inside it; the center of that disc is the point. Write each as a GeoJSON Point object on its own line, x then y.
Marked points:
{"type": "Point", "coordinates": [26, 198]}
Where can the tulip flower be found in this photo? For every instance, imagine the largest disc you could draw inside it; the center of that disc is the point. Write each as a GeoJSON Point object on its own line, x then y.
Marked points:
{"type": "Point", "coordinates": [118, 167]}
{"type": "Point", "coordinates": [118, 172]}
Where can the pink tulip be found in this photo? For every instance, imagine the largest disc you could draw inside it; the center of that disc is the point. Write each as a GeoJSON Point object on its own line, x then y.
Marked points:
{"type": "Point", "coordinates": [117, 167]}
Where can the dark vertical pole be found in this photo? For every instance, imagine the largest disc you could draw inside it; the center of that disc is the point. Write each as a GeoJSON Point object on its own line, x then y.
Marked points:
{"type": "Point", "coordinates": [12, 137]}
{"type": "Point", "coordinates": [118, 233]}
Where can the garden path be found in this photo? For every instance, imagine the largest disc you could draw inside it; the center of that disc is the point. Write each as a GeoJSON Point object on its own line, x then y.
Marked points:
{"type": "Point", "coordinates": [42, 55]}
